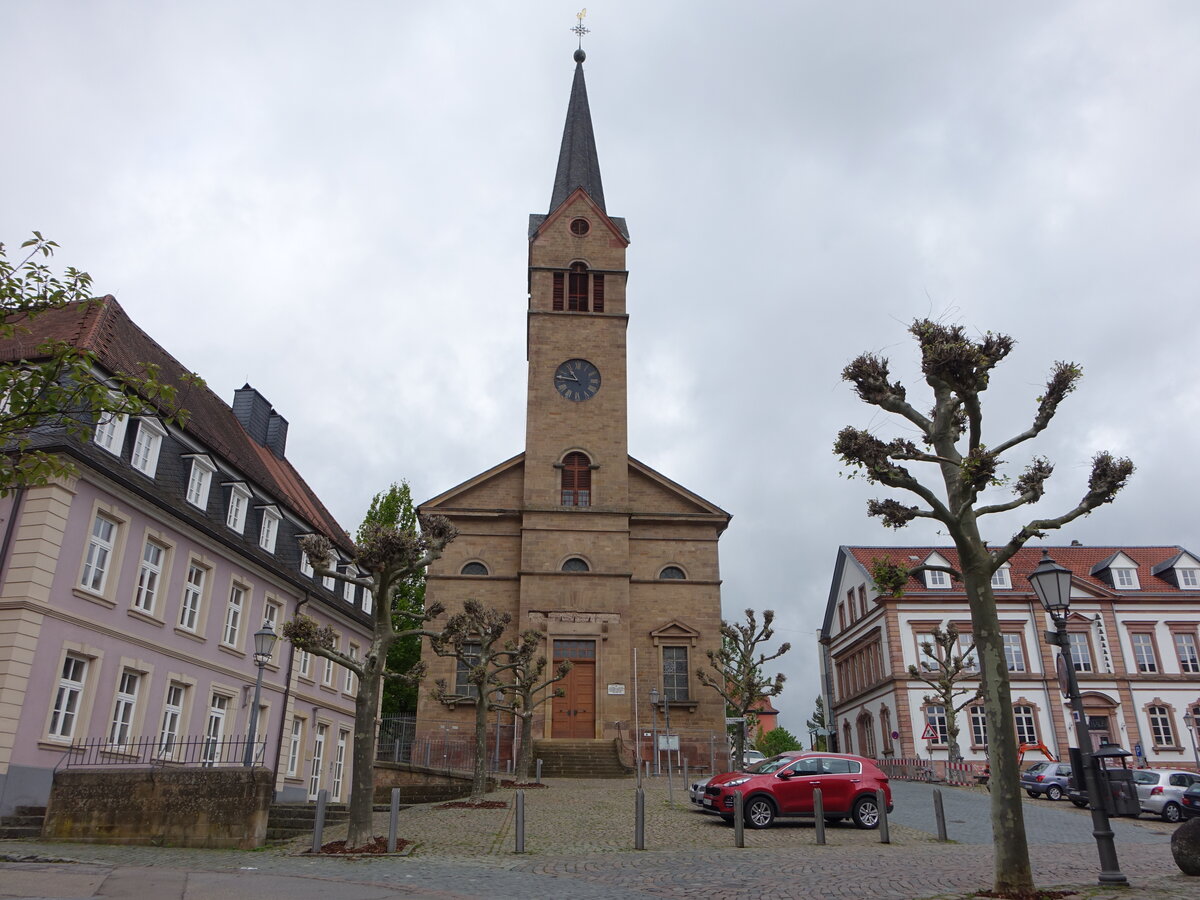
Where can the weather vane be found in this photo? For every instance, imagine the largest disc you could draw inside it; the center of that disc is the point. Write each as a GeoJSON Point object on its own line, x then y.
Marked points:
{"type": "Point", "coordinates": [579, 28]}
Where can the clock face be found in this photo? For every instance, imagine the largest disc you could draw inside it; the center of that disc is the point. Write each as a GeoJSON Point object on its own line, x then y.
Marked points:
{"type": "Point", "coordinates": [577, 379]}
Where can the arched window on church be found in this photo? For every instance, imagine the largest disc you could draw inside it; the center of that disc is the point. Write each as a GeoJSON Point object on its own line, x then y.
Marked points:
{"type": "Point", "coordinates": [575, 564]}
{"type": "Point", "coordinates": [572, 290]}
{"type": "Point", "coordinates": [474, 568]}
{"type": "Point", "coordinates": [577, 480]}
{"type": "Point", "coordinates": [672, 572]}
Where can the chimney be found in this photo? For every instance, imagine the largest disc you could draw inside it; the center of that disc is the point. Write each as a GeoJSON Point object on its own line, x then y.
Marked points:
{"type": "Point", "coordinates": [277, 427]}
{"type": "Point", "coordinates": [262, 423]}
{"type": "Point", "coordinates": [1076, 544]}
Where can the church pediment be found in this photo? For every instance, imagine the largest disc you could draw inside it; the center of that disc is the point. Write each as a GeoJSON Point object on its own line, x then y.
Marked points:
{"type": "Point", "coordinates": [652, 493]}
{"type": "Point", "coordinates": [499, 488]}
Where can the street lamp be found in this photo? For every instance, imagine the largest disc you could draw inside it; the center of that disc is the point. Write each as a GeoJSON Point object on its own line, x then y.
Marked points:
{"type": "Point", "coordinates": [1193, 722]}
{"type": "Point", "coordinates": [264, 646]}
{"type": "Point", "coordinates": [654, 727]}
{"type": "Point", "coordinates": [1052, 584]}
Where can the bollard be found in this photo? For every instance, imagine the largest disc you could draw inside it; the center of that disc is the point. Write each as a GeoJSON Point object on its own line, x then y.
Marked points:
{"type": "Point", "coordinates": [396, 751]}
{"type": "Point", "coordinates": [739, 823]}
{"type": "Point", "coordinates": [885, 836]}
{"type": "Point", "coordinates": [394, 821]}
{"type": "Point", "coordinates": [319, 824]}
{"type": "Point", "coordinates": [539, 772]}
{"type": "Point", "coordinates": [687, 782]}
{"type": "Point", "coordinates": [939, 813]}
{"type": "Point", "coordinates": [639, 820]}
{"type": "Point", "coordinates": [521, 821]}
{"type": "Point", "coordinates": [819, 812]}
{"type": "Point", "coordinates": [670, 782]}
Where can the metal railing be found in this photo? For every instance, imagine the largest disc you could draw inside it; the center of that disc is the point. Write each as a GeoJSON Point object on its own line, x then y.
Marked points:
{"type": "Point", "coordinates": [915, 769]}
{"type": "Point", "coordinates": [195, 751]}
{"type": "Point", "coordinates": [449, 749]}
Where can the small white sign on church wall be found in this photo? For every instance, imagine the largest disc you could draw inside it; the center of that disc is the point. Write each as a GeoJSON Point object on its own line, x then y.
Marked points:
{"type": "Point", "coordinates": [616, 689]}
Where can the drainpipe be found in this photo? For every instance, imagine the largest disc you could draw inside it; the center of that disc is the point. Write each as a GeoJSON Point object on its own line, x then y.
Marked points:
{"type": "Point", "coordinates": [10, 529]}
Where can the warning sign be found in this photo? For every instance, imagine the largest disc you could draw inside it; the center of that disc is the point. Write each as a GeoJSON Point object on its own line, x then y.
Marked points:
{"type": "Point", "coordinates": [930, 733]}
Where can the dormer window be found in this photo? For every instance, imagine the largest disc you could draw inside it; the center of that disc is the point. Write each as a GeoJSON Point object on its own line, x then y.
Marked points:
{"type": "Point", "coordinates": [239, 502]}
{"type": "Point", "coordinates": [937, 580]}
{"type": "Point", "coordinates": [110, 432]}
{"type": "Point", "coordinates": [1001, 580]}
{"type": "Point", "coordinates": [1189, 578]}
{"type": "Point", "coordinates": [199, 481]}
{"type": "Point", "coordinates": [269, 529]}
{"type": "Point", "coordinates": [147, 445]}
{"type": "Point", "coordinates": [1125, 579]}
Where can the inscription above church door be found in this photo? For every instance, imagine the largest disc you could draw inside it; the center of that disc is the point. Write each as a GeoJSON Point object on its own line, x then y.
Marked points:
{"type": "Point", "coordinates": [575, 711]}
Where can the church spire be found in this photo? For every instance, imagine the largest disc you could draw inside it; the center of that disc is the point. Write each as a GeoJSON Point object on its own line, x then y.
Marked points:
{"type": "Point", "coordinates": [578, 164]}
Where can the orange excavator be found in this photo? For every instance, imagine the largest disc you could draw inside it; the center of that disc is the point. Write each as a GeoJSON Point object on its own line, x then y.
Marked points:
{"type": "Point", "coordinates": [1025, 748]}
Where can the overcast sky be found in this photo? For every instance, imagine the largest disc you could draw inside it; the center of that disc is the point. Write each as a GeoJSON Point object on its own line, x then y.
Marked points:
{"type": "Point", "coordinates": [330, 201]}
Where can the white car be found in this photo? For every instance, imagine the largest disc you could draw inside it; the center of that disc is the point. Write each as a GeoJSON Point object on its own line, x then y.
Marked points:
{"type": "Point", "coordinates": [749, 758]}
{"type": "Point", "coordinates": [696, 790]}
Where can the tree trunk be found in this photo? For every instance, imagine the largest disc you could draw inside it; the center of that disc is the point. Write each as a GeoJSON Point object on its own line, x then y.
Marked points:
{"type": "Point", "coordinates": [362, 777]}
{"type": "Point", "coordinates": [525, 755]}
{"type": "Point", "coordinates": [1013, 873]}
{"type": "Point", "coordinates": [479, 779]}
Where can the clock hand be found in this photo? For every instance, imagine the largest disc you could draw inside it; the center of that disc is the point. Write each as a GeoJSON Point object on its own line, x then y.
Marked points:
{"type": "Point", "coordinates": [566, 376]}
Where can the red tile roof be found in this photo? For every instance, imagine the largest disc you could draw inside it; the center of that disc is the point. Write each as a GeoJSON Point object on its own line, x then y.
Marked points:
{"type": "Point", "coordinates": [1079, 560]}
{"type": "Point", "coordinates": [103, 327]}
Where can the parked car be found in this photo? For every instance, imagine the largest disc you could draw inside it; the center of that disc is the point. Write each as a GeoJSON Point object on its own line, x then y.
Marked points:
{"type": "Point", "coordinates": [696, 790]}
{"type": "Point", "coordinates": [783, 786]}
{"type": "Point", "coordinates": [1046, 779]}
{"type": "Point", "coordinates": [1189, 803]}
{"type": "Point", "coordinates": [1160, 791]}
{"type": "Point", "coordinates": [749, 758]}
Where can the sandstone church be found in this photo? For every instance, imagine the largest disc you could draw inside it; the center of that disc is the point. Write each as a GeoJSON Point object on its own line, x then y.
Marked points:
{"type": "Point", "coordinates": [607, 558]}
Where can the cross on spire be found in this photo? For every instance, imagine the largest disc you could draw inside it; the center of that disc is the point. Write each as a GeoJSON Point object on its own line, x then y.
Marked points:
{"type": "Point", "coordinates": [579, 27]}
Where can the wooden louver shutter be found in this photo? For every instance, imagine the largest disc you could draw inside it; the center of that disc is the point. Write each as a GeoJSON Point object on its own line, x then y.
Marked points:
{"type": "Point", "coordinates": [559, 279]}
{"type": "Point", "coordinates": [597, 293]}
{"type": "Point", "coordinates": [577, 292]}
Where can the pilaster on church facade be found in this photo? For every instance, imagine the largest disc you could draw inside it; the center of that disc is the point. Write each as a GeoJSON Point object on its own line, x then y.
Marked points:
{"type": "Point", "coordinates": [608, 559]}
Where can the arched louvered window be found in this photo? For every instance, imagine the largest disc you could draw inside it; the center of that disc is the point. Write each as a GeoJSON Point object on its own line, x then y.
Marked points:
{"type": "Point", "coordinates": [570, 290]}
{"type": "Point", "coordinates": [577, 288]}
{"type": "Point", "coordinates": [672, 572]}
{"type": "Point", "coordinates": [577, 480]}
{"type": "Point", "coordinates": [575, 564]}
{"type": "Point", "coordinates": [474, 568]}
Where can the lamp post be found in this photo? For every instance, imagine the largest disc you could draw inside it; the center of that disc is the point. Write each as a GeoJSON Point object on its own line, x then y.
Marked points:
{"type": "Point", "coordinates": [1052, 584]}
{"type": "Point", "coordinates": [654, 727]}
{"type": "Point", "coordinates": [264, 646]}
{"type": "Point", "coordinates": [1192, 722]}
{"type": "Point", "coordinates": [667, 725]}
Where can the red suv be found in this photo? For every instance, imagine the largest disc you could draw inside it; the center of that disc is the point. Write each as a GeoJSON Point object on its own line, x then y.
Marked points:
{"type": "Point", "coordinates": [783, 786]}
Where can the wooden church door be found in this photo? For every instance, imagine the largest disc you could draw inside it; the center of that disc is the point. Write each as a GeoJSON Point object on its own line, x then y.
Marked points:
{"type": "Point", "coordinates": [575, 711]}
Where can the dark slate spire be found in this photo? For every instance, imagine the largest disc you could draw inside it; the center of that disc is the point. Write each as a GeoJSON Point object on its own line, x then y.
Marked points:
{"type": "Point", "coordinates": [578, 164]}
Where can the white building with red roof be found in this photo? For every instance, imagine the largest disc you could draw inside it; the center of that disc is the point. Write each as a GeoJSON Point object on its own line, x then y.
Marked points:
{"type": "Point", "coordinates": [1134, 628]}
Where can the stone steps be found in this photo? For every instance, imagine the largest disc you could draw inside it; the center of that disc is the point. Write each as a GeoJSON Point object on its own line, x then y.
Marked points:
{"type": "Point", "coordinates": [286, 821]}
{"type": "Point", "coordinates": [25, 822]}
{"type": "Point", "coordinates": [580, 759]}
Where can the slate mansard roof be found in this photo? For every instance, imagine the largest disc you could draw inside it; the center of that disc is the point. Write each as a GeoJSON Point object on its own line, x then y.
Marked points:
{"type": "Point", "coordinates": [102, 327]}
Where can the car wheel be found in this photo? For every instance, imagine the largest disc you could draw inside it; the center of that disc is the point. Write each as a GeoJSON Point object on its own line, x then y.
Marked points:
{"type": "Point", "coordinates": [1054, 792]}
{"type": "Point", "coordinates": [1172, 812]}
{"type": "Point", "coordinates": [866, 812]}
{"type": "Point", "coordinates": [1032, 794]}
{"type": "Point", "coordinates": [759, 812]}
{"type": "Point", "coordinates": [1082, 804]}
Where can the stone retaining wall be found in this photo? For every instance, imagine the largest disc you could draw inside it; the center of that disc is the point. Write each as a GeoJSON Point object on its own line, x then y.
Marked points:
{"type": "Point", "coordinates": [161, 806]}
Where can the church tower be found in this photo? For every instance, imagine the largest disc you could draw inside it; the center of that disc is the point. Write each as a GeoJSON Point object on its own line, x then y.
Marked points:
{"type": "Point", "coordinates": [613, 563]}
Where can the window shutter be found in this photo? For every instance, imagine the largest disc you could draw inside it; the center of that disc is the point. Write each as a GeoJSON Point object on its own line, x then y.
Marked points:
{"type": "Point", "coordinates": [559, 278]}
{"type": "Point", "coordinates": [577, 298]}
{"type": "Point", "coordinates": [598, 293]}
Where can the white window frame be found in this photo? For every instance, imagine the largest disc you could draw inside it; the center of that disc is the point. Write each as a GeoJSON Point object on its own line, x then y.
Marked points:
{"type": "Point", "coordinates": [368, 601]}
{"type": "Point", "coordinates": [145, 595]}
{"type": "Point", "coordinates": [348, 683]}
{"type": "Point", "coordinates": [1162, 731]}
{"type": "Point", "coordinates": [1014, 661]}
{"type": "Point", "coordinates": [978, 719]}
{"type": "Point", "coordinates": [120, 732]}
{"type": "Point", "coordinates": [239, 503]}
{"type": "Point", "coordinates": [318, 760]}
{"type": "Point", "coordinates": [970, 661]}
{"type": "Point", "coordinates": [1024, 717]}
{"type": "Point", "coordinates": [305, 664]}
{"type": "Point", "coordinates": [1187, 652]}
{"type": "Point", "coordinates": [1078, 640]}
{"type": "Point", "coordinates": [1001, 579]}
{"type": "Point", "coordinates": [147, 446]}
{"type": "Point", "coordinates": [268, 530]}
{"type": "Point", "coordinates": [935, 717]}
{"type": "Point", "coordinates": [99, 556]}
{"type": "Point", "coordinates": [110, 430]}
{"type": "Point", "coordinates": [348, 588]}
{"type": "Point", "coordinates": [199, 481]}
{"type": "Point", "coordinates": [231, 630]}
{"type": "Point", "coordinates": [1125, 578]}
{"type": "Point", "coordinates": [173, 703]}
{"type": "Point", "coordinates": [294, 748]}
{"type": "Point", "coordinates": [214, 728]}
{"type": "Point", "coordinates": [192, 602]}
{"type": "Point", "coordinates": [1189, 578]}
{"type": "Point", "coordinates": [937, 581]}
{"type": "Point", "coordinates": [1145, 657]}
{"type": "Point", "coordinates": [68, 699]}
{"type": "Point", "coordinates": [306, 568]}
{"type": "Point", "coordinates": [328, 581]}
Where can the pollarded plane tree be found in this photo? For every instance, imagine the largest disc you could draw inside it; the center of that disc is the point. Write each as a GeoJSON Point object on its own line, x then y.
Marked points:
{"type": "Point", "coordinates": [944, 668]}
{"type": "Point", "coordinates": [520, 685]}
{"type": "Point", "coordinates": [958, 369]}
{"type": "Point", "coordinates": [390, 556]}
{"type": "Point", "coordinates": [737, 669]}
{"type": "Point", "coordinates": [472, 638]}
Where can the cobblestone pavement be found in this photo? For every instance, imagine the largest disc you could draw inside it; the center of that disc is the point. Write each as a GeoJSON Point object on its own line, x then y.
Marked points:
{"type": "Point", "coordinates": [579, 839]}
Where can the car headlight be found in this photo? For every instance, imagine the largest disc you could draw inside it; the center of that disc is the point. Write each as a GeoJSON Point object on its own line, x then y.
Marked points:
{"type": "Point", "coordinates": [736, 782]}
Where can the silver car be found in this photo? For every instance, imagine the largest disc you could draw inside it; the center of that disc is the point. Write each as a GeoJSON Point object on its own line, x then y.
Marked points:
{"type": "Point", "coordinates": [696, 790]}
{"type": "Point", "coordinates": [1159, 791]}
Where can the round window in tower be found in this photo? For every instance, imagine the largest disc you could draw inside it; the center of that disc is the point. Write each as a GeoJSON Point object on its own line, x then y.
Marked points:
{"type": "Point", "coordinates": [580, 227]}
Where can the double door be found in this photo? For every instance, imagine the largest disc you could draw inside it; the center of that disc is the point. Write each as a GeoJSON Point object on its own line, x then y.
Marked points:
{"type": "Point", "coordinates": [574, 713]}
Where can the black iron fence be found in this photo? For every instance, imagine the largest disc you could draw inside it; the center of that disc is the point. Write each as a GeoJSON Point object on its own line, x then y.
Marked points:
{"type": "Point", "coordinates": [195, 751]}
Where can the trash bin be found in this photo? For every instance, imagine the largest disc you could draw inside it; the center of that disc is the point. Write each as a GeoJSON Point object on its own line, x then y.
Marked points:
{"type": "Point", "coordinates": [1118, 793]}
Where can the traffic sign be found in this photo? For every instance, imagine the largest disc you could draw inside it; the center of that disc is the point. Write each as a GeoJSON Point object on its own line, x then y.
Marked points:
{"type": "Point", "coordinates": [930, 734]}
